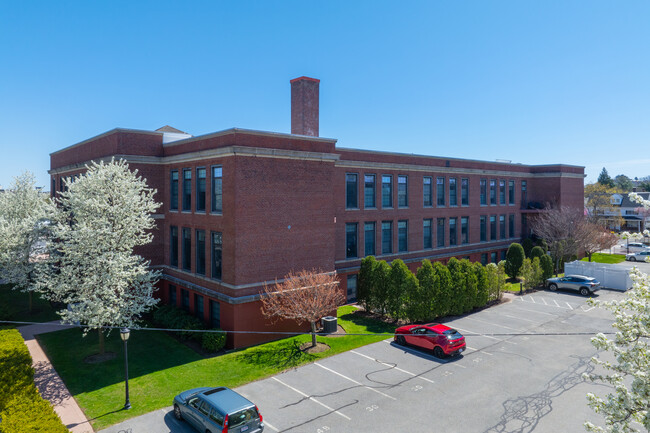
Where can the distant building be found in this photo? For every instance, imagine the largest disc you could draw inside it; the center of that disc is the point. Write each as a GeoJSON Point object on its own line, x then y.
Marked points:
{"type": "Point", "coordinates": [625, 215]}
{"type": "Point", "coordinates": [241, 208]}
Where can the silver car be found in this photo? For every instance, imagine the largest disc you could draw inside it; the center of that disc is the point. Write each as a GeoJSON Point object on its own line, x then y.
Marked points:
{"type": "Point", "coordinates": [641, 256]}
{"type": "Point", "coordinates": [585, 285]}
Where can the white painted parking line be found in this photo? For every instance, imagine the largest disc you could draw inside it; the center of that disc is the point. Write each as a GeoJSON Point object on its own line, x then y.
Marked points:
{"type": "Point", "coordinates": [556, 304]}
{"type": "Point", "coordinates": [492, 323]}
{"type": "Point", "coordinates": [586, 309]}
{"type": "Point", "coordinates": [540, 312]}
{"type": "Point", "coordinates": [266, 424]}
{"type": "Point", "coordinates": [519, 318]}
{"type": "Point", "coordinates": [481, 351]}
{"type": "Point", "coordinates": [478, 334]}
{"type": "Point", "coordinates": [544, 301]}
{"type": "Point", "coordinates": [393, 366]}
{"type": "Point", "coordinates": [354, 381]}
{"type": "Point", "coordinates": [569, 305]}
{"type": "Point", "coordinates": [311, 398]}
{"type": "Point", "coordinates": [532, 299]}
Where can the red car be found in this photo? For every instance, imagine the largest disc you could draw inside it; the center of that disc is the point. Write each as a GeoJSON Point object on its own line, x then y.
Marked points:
{"type": "Point", "coordinates": [440, 339]}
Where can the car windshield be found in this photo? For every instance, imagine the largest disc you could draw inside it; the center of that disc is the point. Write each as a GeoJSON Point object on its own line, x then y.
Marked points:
{"type": "Point", "coordinates": [242, 417]}
{"type": "Point", "coordinates": [452, 334]}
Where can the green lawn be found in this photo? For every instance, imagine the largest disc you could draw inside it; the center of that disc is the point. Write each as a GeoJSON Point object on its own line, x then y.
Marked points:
{"type": "Point", "coordinates": [160, 367]}
{"type": "Point", "coordinates": [605, 258]}
{"type": "Point", "coordinates": [14, 305]}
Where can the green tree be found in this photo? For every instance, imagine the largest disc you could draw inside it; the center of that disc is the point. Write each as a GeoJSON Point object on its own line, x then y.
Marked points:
{"type": "Point", "coordinates": [527, 245]}
{"type": "Point", "coordinates": [536, 252]}
{"type": "Point", "coordinates": [444, 290]}
{"type": "Point", "coordinates": [514, 259]}
{"type": "Point", "coordinates": [623, 182]}
{"type": "Point", "coordinates": [381, 279]}
{"type": "Point", "coordinates": [605, 179]}
{"type": "Point", "coordinates": [402, 285]}
{"type": "Point", "coordinates": [546, 264]}
{"type": "Point", "coordinates": [429, 290]}
{"type": "Point", "coordinates": [482, 289]}
{"type": "Point", "coordinates": [496, 279]}
{"type": "Point", "coordinates": [365, 282]}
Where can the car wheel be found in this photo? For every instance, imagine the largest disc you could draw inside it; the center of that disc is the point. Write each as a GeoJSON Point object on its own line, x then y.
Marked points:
{"type": "Point", "coordinates": [177, 412]}
{"type": "Point", "coordinates": [632, 259]}
{"type": "Point", "coordinates": [584, 291]}
{"type": "Point", "coordinates": [438, 352]}
{"type": "Point", "coordinates": [552, 287]}
{"type": "Point", "coordinates": [400, 340]}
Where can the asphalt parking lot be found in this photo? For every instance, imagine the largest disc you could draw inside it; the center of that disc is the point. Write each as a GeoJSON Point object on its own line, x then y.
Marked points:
{"type": "Point", "coordinates": [515, 377]}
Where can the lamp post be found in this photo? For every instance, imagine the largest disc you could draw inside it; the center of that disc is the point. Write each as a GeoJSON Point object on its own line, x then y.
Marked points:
{"type": "Point", "coordinates": [124, 335]}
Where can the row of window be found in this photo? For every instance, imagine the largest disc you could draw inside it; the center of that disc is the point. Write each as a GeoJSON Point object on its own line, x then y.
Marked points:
{"type": "Point", "coordinates": [500, 191]}
{"type": "Point", "coordinates": [216, 248]}
{"type": "Point", "coordinates": [216, 190]}
{"type": "Point", "coordinates": [454, 227]}
{"type": "Point", "coordinates": [215, 307]}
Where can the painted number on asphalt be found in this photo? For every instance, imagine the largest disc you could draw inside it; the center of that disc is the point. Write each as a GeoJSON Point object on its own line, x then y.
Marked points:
{"type": "Point", "coordinates": [372, 407]}
{"type": "Point", "coordinates": [323, 429]}
{"type": "Point", "coordinates": [416, 388]}
{"type": "Point", "coordinates": [477, 359]}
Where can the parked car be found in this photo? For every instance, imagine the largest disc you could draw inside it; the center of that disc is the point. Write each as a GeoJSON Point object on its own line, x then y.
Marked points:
{"type": "Point", "coordinates": [218, 410]}
{"type": "Point", "coordinates": [636, 246]}
{"type": "Point", "coordinates": [440, 339]}
{"type": "Point", "coordinates": [585, 285]}
{"type": "Point", "coordinates": [640, 256]}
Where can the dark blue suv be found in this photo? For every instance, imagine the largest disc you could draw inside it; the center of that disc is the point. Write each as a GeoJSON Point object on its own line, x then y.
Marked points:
{"type": "Point", "coordinates": [218, 410]}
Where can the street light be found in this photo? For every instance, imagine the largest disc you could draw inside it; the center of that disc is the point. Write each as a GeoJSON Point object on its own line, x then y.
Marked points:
{"type": "Point", "coordinates": [124, 335]}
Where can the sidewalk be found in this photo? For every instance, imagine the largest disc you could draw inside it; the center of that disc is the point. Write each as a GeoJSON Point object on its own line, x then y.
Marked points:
{"type": "Point", "coordinates": [50, 384]}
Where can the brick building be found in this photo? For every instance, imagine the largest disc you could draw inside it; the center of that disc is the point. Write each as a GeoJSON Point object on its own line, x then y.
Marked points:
{"type": "Point", "coordinates": [242, 207]}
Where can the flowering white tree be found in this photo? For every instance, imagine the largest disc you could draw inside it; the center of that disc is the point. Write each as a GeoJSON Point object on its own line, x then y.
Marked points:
{"type": "Point", "coordinates": [102, 216]}
{"type": "Point", "coordinates": [627, 407]}
{"type": "Point", "coordinates": [24, 213]}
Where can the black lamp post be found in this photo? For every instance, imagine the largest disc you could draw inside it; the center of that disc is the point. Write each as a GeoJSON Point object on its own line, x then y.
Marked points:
{"type": "Point", "coordinates": [124, 334]}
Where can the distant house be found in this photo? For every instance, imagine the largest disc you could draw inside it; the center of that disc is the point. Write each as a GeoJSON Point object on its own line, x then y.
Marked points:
{"type": "Point", "coordinates": [625, 214]}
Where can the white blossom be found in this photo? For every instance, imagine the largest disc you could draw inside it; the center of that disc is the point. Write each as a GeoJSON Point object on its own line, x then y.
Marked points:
{"type": "Point", "coordinates": [626, 408]}
{"type": "Point", "coordinates": [104, 214]}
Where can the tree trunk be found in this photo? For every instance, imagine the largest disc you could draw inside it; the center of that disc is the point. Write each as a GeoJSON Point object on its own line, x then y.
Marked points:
{"type": "Point", "coordinates": [313, 334]}
{"type": "Point", "coordinates": [101, 341]}
{"type": "Point", "coordinates": [589, 256]}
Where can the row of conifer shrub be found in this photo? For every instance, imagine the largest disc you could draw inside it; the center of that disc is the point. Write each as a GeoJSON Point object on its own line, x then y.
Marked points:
{"type": "Point", "coordinates": [22, 409]}
{"type": "Point", "coordinates": [435, 290]}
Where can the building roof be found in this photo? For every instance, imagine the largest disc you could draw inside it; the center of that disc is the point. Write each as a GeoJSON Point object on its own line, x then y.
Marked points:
{"type": "Point", "coordinates": [168, 128]}
{"type": "Point", "coordinates": [626, 202]}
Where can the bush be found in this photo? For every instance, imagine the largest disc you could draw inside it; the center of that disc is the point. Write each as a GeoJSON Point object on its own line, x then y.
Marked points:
{"type": "Point", "coordinates": [22, 409]}
{"type": "Point", "coordinates": [482, 292]}
{"type": "Point", "coordinates": [514, 260]}
{"type": "Point", "coordinates": [536, 252]}
{"type": "Point", "coordinates": [527, 244]}
{"type": "Point", "coordinates": [365, 283]}
{"type": "Point", "coordinates": [213, 341]}
{"type": "Point", "coordinates": [403, 285]}
{"type": "Point", "coordinates": [172, 317]}
{"type": "Point", "coordinates": [547, 266]}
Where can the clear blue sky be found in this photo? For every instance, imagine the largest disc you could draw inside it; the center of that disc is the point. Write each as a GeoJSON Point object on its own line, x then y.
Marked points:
{"type": "Point", "coordinates": [535, 82]}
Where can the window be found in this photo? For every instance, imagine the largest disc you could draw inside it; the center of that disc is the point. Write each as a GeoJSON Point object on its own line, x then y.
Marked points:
{"type": "Point", "coordinates": [452, 231]}
{"type": "Point", "coordinates": [187, 189]}
{"type": "Point", "coordinates": [200, 189]}
{"type": "Point", "coordinates": [524, 224]}
{"type": "Point", "coordinates": [369, 238]}
{"type": "Point", "coordinates": [502, 226]}
{"type": "Point", "coordinates": [200, 252]}
{"type": "Point", "coordinates": [511, 225]}
{"type": "Point", "coordinates": [386, 237]}
{"type": "Point", "coordinates": [351, 191]}
{"type": "Point", "coordinates": [493, 192]}
{"type": "Point", "coordinates": [402, 191]}
{"type": "Point", "coordinates": [504, 253]}
{"type": "Point", "coordinates": [369, 193]}
{"type": "Point", "coordinates": [453, 192]}
{"type": "Point", "coordinates": [173, 190]}
{"type": "Point", "coordinates": [215, 314]}
{"type": "Point", "coordinates": [427, 241]}
{"type": "Point", "coordinates": [216, 247]}
{"type": "Point", "coordinates": [217, 193]}
{"type": "Point", "coordinates": [427, 192]}
{"type": "Point", "coordinates": [493, 227]}
{"type": "Point", "coordinates": [493, 257]}
{"type": "Point", "coordinates": [198, 306]}
{"type": "Point", "coordinates": [464, 192]}
{"type": "Point", "coordinates": [53, 187]}
{"type": "Point", "coordinates": [511, 192]}
{"type": "Point", "coordinates": [187, 249]}
{"type": "Point", "coordinates": [352, 288]}
{"type": "Point", "coordinates": [464, 232]}
{"type": "Point", "coordinates": [502, 192]}
{"type": "Point", "coordinates": [387, 191]}
{"type": "Point", "coordinates": [483, 224]}
{"type": "Point", "coordinates": [484, 259]}
{"type": "Point", "coordinates": [185, 300]}
{"type": "Point", "coordinates": [440, 191]}
{"type": "Point", "coordinates": [173, 246]}
{"type": "Point", "coordinates": [524, 194]}
{"type": "Point", "coordinates": [483, 192]}
{"type": "Point", "coordinates": [172, 294]}
{"type": "Point", "coordinates": [440, 232]}
{"type": "Point", "coordinates": [402, 236]}
{"type": "Point", "coordinates": [350, 240]}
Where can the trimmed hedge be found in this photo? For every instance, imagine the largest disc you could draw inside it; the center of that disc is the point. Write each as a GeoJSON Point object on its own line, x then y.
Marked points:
{"type": "Point", "coordinates": [172, 317]}
{"type": "Point", "coordinates": [22, 409]}
{"type": "Point", "coordinates": [213, 341]}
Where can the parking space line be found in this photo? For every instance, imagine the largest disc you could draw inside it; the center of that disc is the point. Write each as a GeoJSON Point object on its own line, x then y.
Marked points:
{"type": "Point", "coordinates": [490, 323]}
{"type": "Point", "coordinates": [266, 424]}
{"type": "Point", "coordinates": [519, 318]}
{"type": "Point", "coordinates": [354, 381]}
{"type": "Point", "coordinates": [558, 305]}
{"type": "Point", "coordinates": [393, 366]}
{"type": "Point", "coordinates": [311, 398]}
{"type": "Point", "coordinates": [544, 301]}
{"type": "Point", "coordinates": [478, 334]}
{"type": "Point", "coordinates": [569, 305]}
{"type": "Point", "coordinates": [477, 350]}
{"type": "Point", "coordinates": [540, 312]}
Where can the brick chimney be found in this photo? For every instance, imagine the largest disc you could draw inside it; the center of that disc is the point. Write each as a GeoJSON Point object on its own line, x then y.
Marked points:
{"type": "Point", "coordinates": [304, 106]}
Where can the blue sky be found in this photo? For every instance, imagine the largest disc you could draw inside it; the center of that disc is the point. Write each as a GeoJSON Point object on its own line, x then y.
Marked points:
{"type": "Point", "coordinates": [533, 82]}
